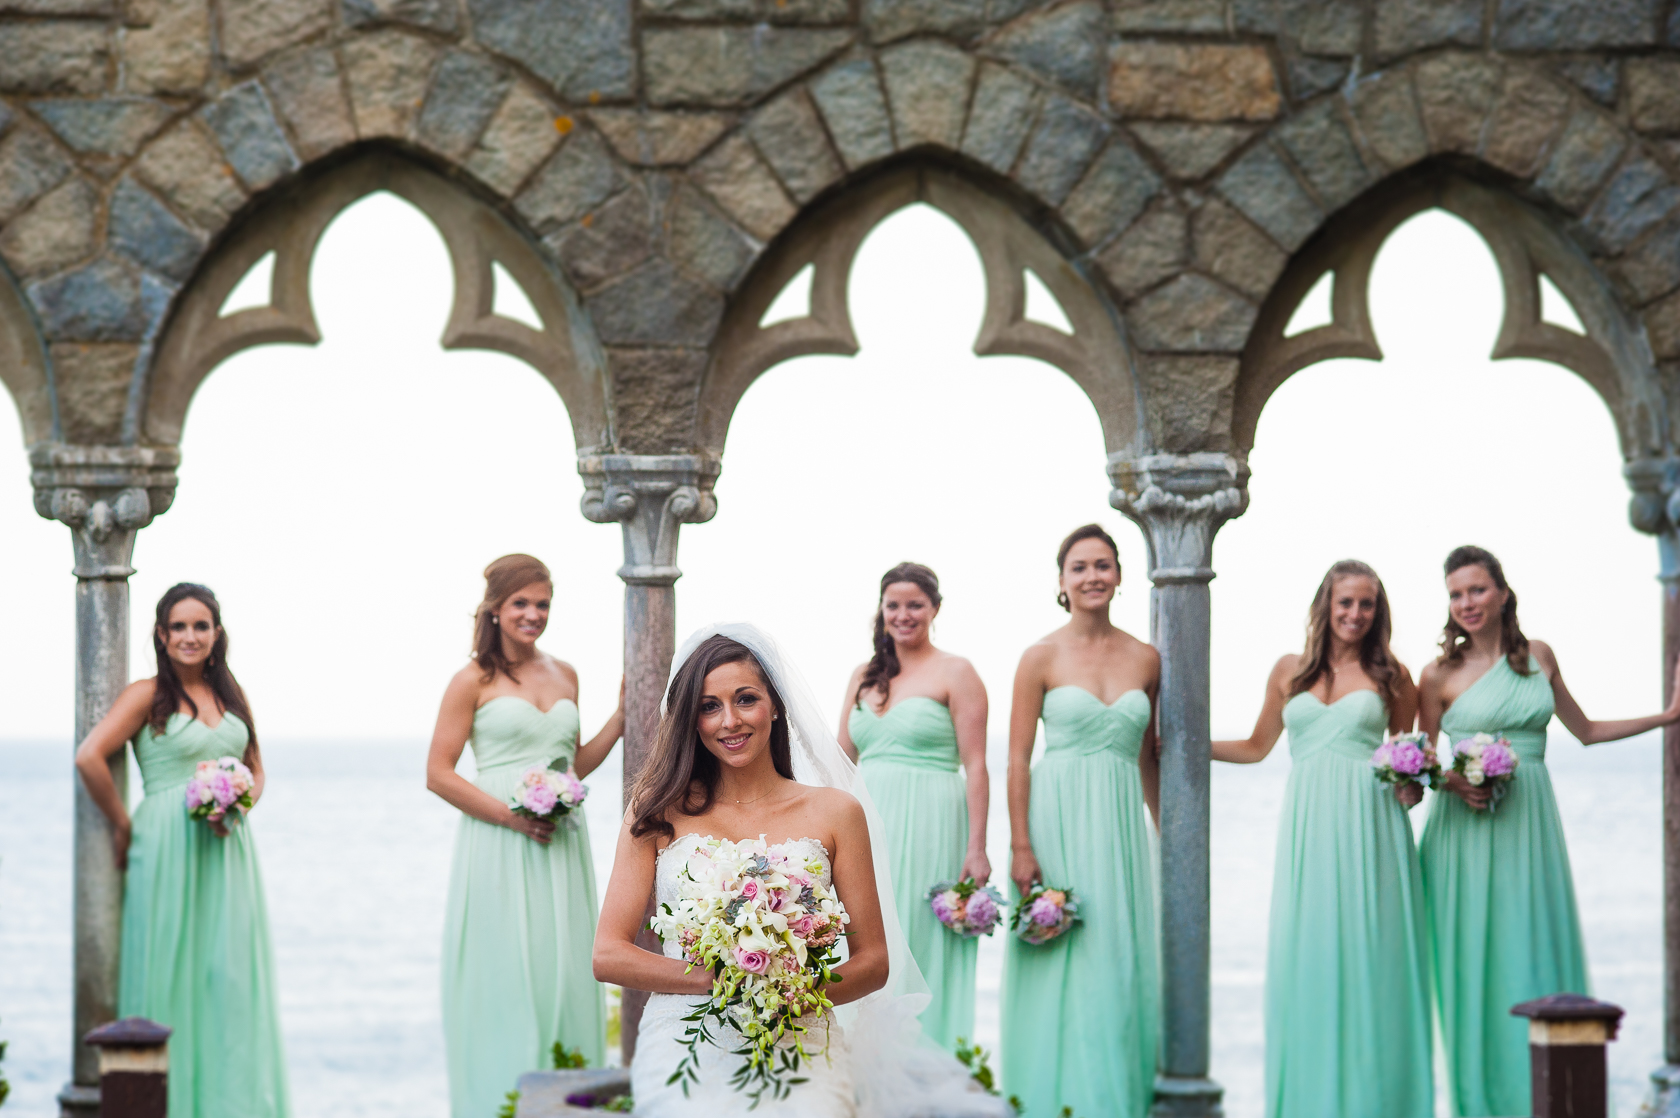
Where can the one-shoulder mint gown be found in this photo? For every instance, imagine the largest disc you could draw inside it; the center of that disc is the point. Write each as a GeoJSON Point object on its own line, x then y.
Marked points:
{"type": "Point", "coordinates": [1501, 898]}
{"type": "Point", "coordinates": [908, 759]}
{"type": "Point", "coordinates": [520, 923]}
{"type": "Point", "coordinates": [195, 947]}
{"type": "Point", "coordinates": [1347, 985]}
{"type": "Point", "coordinates": [1081, 1014]}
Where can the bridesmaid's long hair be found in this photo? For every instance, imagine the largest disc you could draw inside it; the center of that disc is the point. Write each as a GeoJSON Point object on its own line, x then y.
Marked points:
{"type": "Point", "coordinates": [502, 579]}
{"type": "Point", "coordinates": [1455, 639]}
{"type": "Point", "coordinates": [1083, 532]}
{"type": "Point", "coordinates": [168, 695]}
{"type": "Point", "coordinates": [680, 772]}
{"type": "Point", "coordinates": [1374, 654]}
{"type": "Point", "coordinates": [883, 665]}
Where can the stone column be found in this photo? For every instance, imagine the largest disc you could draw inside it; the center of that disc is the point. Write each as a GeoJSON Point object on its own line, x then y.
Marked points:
{"type": "Point", "coordinates": [105, 495]}
{"type": "Point", "coordinates": [651, 496]}
{"type": "Point", "coordinates": [1180, 500]}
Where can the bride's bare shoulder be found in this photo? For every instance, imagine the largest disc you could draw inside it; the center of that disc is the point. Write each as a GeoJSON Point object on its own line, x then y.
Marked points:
{"type": "Point", "coordinates": [837, 810]}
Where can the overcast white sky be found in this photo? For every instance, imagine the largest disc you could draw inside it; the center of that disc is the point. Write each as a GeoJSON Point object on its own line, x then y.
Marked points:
{"type": "Point", "coordinates": [343, 500]}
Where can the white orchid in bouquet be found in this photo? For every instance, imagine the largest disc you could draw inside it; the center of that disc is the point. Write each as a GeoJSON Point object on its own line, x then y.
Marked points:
{"type": "Point", "coordinates": [761, 920]}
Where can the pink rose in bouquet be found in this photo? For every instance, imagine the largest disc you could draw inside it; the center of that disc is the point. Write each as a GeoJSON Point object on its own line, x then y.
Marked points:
{"type": "Point", "coordinates": [1407, 759]}
{"type": "Point", "coordinates": [966, 907]}
{"type": "Point", "coordinates": [220, 791]}
{"type": "Point", "coordinates": [1486, 762]}
{"type": "Point", "coordinates": [548, 794]}
{"type": "Point", "coordinates": [1044, 913]}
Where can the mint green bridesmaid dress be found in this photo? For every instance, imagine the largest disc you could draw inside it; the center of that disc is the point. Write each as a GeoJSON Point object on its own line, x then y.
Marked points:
{"type": "Point", "coordinates": [519, 925]}
{"type": "Point", "coordinates": [195, 948]}
{"type": "Point", "coordinates": [1501, 898]}
{"type": "Point", "coordinates": [1082, 1013]}
{"type": "Point", "coordinates": [908, 759]}
{"type": "Point", "coordinates": [1347, 985]}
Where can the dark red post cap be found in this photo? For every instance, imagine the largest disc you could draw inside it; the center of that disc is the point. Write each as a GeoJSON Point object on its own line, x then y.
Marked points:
{"type": "Point", "coordinates": [130, 1032]}
{"type": "Point", "coordinates": [1571, 1007]}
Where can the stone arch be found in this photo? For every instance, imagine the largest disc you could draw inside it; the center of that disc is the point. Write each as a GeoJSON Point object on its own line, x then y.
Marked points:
{"type": "Point", "coordinates": [289, 226]}
{"type": "Point", "coordinates": [24, 368]}
{"type": "Point", "coordinates": [826, 238]}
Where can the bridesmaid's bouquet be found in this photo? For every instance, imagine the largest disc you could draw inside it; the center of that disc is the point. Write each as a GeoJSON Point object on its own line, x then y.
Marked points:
{"type": "Point", "coordinates": [761, 920]}
{"type": "Point", "coordinates": [1407, 758]}
{"type": "Point", "coordinates": [966, 908]}
{"type": "Point", "coordinates": [220, 790]}
{"type": "Point", "coordinates": [1486, 760]}
{"type": "Point", "coordinates": [548, 794]}
{"type": "Point", "coordinates": [1044, 913]}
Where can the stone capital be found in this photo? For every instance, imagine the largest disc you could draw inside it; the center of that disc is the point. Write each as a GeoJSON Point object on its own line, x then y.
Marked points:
{"type": "Point", "coordinates": [1654, 507]}
{"type": "Point", "coordinates": [104, 495]}
{"type": "Point", "coordinates": [652, 496]}
{"type": "Point", "coordinates": [1179, 500]}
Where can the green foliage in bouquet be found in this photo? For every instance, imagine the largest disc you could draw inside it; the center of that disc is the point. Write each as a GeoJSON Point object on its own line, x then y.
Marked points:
{"type": "Point", "coordinates": [565, 1058]}
{"type": "Point", "coordinates": [978, 1062]}
{"type": "Point", "coordinates": [510, 1108]}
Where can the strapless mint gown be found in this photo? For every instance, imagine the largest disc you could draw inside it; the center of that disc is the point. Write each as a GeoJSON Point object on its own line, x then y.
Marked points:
{"type": "Point", "coordinates": [908, 760]}
{"type": "Point", "coordinates": [1081, 1014]}
{"type": "Point", "coordinates": [1501, 899]}
{"type": "Point", "coordinates": [519, 926]}
{"type": "Point", "coordinates": [195, 946]}
{"type": "Point", "coordinates": [1347, 986]}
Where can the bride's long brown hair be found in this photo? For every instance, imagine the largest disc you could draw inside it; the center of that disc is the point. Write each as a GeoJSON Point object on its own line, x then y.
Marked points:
{"type": "Point", "coordinates": [1374, 654]}
{"type": "Point", "coordinates": [680, 772]}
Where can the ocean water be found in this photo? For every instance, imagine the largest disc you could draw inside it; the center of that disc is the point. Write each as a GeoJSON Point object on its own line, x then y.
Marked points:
{"type": "Point", "coordinates": [355, 855]}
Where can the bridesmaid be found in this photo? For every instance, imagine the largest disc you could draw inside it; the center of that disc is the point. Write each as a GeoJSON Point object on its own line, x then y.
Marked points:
{"type": "Point", "coordinates": [1501, 898]}
{"type": "Point", "coordinates": [195, 949]}
{"type": "Point", "coordinates": [520, 921]}
{"type": "Point", "coordinates": [913, 713]}
{"type": "Point", "coordinates": [1081, 1014]}
{"type": "Point", "coordinates": [1347, 996]}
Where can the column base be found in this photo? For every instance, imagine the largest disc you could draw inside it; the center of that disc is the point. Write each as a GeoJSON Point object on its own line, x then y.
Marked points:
{"type": "Point", "coordinates": [1664, 1099]}
{"type": "Point", "coordinates": [78, 1100]}
{"type": "Point", "coordinates": [1177, 1097]}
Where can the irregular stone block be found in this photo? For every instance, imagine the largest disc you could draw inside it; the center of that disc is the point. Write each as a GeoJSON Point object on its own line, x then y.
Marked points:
{"type": "Point", "coordinates": [1189, 400]}
{"type": "Point", "coordinates": [738, 180]}
{"type": "Point", "coordinates": [1598, 78]}
{"type": "Point", "coordinates": [704, 244]}
{"type": "Point", "coordinates": [465, 93]}
{"type": "Point", "coordinates": [1003, 111]}
{"type": "Point", "coordinates": [60, 229]}
{"type": "Point", "coordinates": [92, 385]}
{"type": "Point", "coordinates": [1575, 24]}
{"type": "Point", "coordinates": [434, 15]}
{"type": "Point", "coordinates": [927, 86]}
{"type": "Point", "coordinates": [890, 20]}
{"type": "Point", "coordinates": [7, 117]}
{"type": "Point", "coordinates": [1456, 92]}
{"type": "Point", "coordinates": [644, 382]}
{"type": "Point", "coordinates": [1308, 77]}
{"type": "Point", "coordinates": [609, 242]}
{"type": "Point", "coordinates": [1532, 110]}
{"type": "Point", "coordinates": [244, 124]}
{"type": "Point", "coordinates": [1146, 16]}
{"type": "Point", "coordinates": [1152, 250]}
{"type": "Point", "coordinates": [1581, 158]}
{"type": "Point", "coordinates": [143, 229]}
{"type": "Point", "coordinates": [387, 72]}
{"type": "Point", "coordinates": [573, 183]}
{"type": "Point", "coordinates": [1190, 151]}
{"type": "Point", "coordinates": [751, 11]}
{"type": "Point", "coordinates": [251, 30]}
{"type": "Point", "coordinates": [1321, 145]}
{"type": "Point", "coordinates": [580, 47]}
{"type": "Point", "coordinates": [30, 165]}
{"type": "Point", "coordinates": [1653, 268]}
{"type": "Point", "coordinates": [1405, 26]}
{"type": "Point", "coordinates": [1223, 243]}
{"type": "Point", "coordinates": [1638, 196]}
{"type": "Point", "coordinates": [1114, 191]}
{"type": "Point", "coordinates": [1262, 187]}
{"type": "Point", "coordinates": [1387, 113]}
{"type": "Point", "coordinates": [166, 46]}
{"type": "Point", "coordinates": [1662, 326]}
{"type": "Point", "coordinates": [1191, 314]}
{"type": "Point", "coordinates": [1059, 149]}
{"type": "Point", "coordinates": [97, 303]}
{"type": "Point", "coordinates": [59, 7]}
{"type": "Point", "coordinates": [55, 57]}
{"type": "Point", "coordinates": [1063, 44]}
{"type": "Point", "coordinates": [654, 139]}
{"type": "Point", "coordinates": [187, 168]}
{"type": "Point", "coordinates": [791, 139]}
{"type": "Point", "coordinates": [725, 66]}
{"type": "Point", "coordinates": [524, 132]}
{"type": "Point", "coordinates": [309, 94]}
{"type": "Point", "coordinates": [655, 305]}
{"type": "Point", "coordinates": [111, 126]}
{"type": "Point", "coordinates": [1316, 26]}
{"type": "Point", "coordinates": [1654, 93]}
{"type": "Point", "coordinates": [849, 96]}
{"type": "Point", "coordinates": [1192, 81]}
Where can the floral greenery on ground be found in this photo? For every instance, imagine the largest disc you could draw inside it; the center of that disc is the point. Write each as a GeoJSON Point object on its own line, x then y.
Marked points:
{"type": "Point", "coordinates": [978, 1062]}
{"type": "Point", "coordinates": [565, 1058]}
{"type": "Point", "coordinates": [511, 1107]}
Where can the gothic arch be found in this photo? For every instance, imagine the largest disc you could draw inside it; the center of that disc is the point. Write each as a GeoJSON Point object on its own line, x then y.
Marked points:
{"type": "Point", "coordinates": [198, 336]}
{"type": "Point", "coordinates": [827, 238]}
{"type": "Point", "coordinates": [24, 368]}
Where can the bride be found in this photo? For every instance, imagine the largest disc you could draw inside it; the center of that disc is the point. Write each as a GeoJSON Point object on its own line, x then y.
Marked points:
{"type": "Point", "coordinates": [742, 752]}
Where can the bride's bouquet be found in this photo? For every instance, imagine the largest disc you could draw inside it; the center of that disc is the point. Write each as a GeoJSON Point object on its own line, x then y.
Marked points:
{"type": "Point", "coordinates": [548, 794]}
{"type": "Point", "coordinates": [1407, 758]}
{"type": "Point", "coordinates": [1044, 913]}
{"type": "Point", "coordinates": [1486, 760]}
{"type": "Point", "coordinates": [220, 790]}
{"type": "Point", "coordinates": [966, 908]}
{"type": "Point", "coordinates": [761, 920]}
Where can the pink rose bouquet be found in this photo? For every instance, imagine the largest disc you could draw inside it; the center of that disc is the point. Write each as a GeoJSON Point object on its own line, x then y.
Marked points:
{"type": "Point", "coordinates": [1407, 758]}
{"type": "Point", "coordinates": [1486, 761]}
{"type": "Point", "coordinates": [220, 790]}
{"type": "Point", "coordinates": [548, 794]}
{"type": "Point", "coordinates": [1044, 913]}
{"type": "Point", "coordinates": [761, 919]}
{"type": "Point", "coordinates": [967, 908]}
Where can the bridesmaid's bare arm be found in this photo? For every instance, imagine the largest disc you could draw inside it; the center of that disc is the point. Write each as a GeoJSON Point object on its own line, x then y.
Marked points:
{"type": "Point", "coordinates": [1149, 757]}
{"type": "Point", "coordinates": [449, 739]}
{"type": "Point", "coordinates": [844, 734]}
{"type": "Point", "coordinates": [1586, 730]}
{"type": "Point", "coordinates": [119, 726]}
{"type": "Point", "coordinates": [590, 755]}
{"type": "Point", "coordinates": [616, 957]}
{"type": "Point", "coordinates": [1026, 704]}
{"type": "Point", "coordinates": [969, 712]}
{"type": "Point", "coordinates": [1269, 726]}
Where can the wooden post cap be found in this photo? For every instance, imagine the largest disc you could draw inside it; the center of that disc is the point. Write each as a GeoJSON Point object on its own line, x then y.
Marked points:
{"type": "Point", "coordinates": [133, 1044]}
{"type": "Point", "coordinates": [1569, 1019]}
